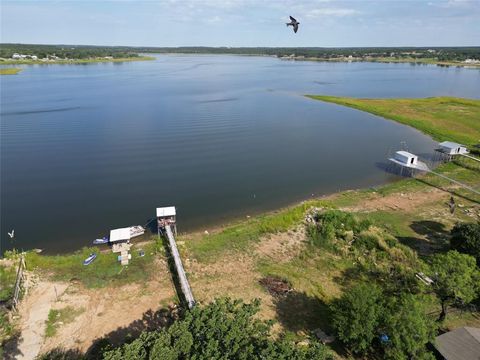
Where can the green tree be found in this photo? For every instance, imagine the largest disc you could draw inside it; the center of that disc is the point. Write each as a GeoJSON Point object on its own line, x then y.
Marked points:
{"type": "Point", "coordinates": [357, 315]}
{"type": "Point", "coordinates": [457, 279]}
{"type": "Point", "coordinates": [409, 329]}
{"type": "Point", "coordinates": [466, 239]}
{"type": "Point", "coordinates": [225, 329]}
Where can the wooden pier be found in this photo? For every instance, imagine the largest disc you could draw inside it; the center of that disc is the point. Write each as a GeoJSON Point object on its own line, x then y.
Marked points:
{"type": "Point", "coordinates": [166, 219]}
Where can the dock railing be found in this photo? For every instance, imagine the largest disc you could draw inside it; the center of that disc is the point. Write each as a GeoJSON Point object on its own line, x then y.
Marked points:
{"type": "Point", "coordinates": [187, 291]}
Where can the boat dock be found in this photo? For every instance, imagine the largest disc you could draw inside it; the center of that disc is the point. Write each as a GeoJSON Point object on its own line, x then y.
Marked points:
{"type": "Point", "coordinates": [166, 220]}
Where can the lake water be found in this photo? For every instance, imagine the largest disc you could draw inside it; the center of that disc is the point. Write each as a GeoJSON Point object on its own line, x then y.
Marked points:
{"type": "Point", "coordinates": [88, 148]}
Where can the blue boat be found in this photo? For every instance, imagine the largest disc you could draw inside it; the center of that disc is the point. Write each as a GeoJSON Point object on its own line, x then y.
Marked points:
{"type": "Point", "coordinates": [90, 259]}
{"type": "Point", "coordinates": [103, 240]}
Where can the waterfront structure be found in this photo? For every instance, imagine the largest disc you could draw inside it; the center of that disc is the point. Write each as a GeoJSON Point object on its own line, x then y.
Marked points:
{"type": "Point", "coordinates": [166, 221]}
{"type": "Point", "coordinates": [452, 148]}
{"type": "Point", "coordinates": [405, 160]}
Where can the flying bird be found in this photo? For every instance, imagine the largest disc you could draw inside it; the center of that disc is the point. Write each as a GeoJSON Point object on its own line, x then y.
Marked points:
{"type": "Point", "coordinates": [11, 234]}
{"type": "Point", "coordinates": [293, 23]}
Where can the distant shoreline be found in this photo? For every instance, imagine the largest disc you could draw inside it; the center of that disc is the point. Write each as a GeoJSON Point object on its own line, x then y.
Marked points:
{"type": "Point", "coordinates": [75, 61]}
{"type": "Point", "coordinates": [386, 60]}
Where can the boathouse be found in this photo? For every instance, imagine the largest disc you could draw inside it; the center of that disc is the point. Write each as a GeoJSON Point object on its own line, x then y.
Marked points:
{"type": "Point", "coordinates": [167, 216]}
{"type": "Point", "coordinates": [451, 148]}
{"type": "Point", "coordinates": [406, 158]}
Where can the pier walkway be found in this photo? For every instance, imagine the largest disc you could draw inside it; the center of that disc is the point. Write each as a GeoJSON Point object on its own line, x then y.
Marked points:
{"type": "Point", "coordinates": [187, 291]}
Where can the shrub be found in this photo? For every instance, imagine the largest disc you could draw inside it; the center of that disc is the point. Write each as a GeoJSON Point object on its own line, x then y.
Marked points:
{"type": "Point", "coordinates": [466, 239]}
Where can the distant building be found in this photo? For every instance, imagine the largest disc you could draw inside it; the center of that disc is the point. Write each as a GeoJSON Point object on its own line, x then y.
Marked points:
{"type": "Point", "coordinates": [459, 344]}
{"type": "Point", "coordinates": [16, 56]}
{"type": "Point", "coordinates": [451, 148]}
{"type": "Point", "coordinates": [472, 61]}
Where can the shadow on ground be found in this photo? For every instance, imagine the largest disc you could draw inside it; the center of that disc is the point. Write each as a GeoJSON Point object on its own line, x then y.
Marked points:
{"type": "Point", "coordinates": [433, 237]}
{"type": "Point", "coordinates": [297, 312]}
{"type": "Point", "coordinates": [11, 350]}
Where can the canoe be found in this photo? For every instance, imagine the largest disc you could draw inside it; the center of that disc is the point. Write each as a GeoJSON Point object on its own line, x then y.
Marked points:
{"type": "Point", "coordinates": [90, 259]}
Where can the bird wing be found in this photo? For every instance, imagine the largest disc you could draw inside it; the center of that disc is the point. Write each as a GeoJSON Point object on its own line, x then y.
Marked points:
{"type": "Point", "coordinates": [295, 28]}
{"type": "Point", "coordinates": [293, 19]}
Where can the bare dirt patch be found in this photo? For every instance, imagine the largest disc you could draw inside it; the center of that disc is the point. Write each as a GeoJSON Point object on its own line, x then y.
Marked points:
{"type": "Point", "coordinates": [400, 201]}
{"type": "Point", "coordinates": [282, 246]}
{"type": "Point", "coordinates": [277, 287]}
{"type": "Point", "coordinates": [33, 311]}
{"type": "Point", "coordinates": [110, 312]}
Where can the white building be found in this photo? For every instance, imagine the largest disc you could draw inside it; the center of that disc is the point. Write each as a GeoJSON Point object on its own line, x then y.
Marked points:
{"type": "Point", "coordinates": [406, 158]}
{"type": "Point", "coordinates": [451, 148]}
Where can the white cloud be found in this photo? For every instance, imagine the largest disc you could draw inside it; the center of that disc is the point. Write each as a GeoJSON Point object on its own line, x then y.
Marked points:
{"type": "Point", "coordinates": [334, 12]}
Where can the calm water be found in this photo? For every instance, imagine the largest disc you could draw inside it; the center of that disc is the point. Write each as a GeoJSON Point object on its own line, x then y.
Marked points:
{"type": "Point", "coordinates": [87, 148]}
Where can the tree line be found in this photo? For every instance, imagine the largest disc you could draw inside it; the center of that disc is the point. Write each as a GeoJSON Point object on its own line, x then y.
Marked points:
{"type": "Point", "coordinates": [86, 51]}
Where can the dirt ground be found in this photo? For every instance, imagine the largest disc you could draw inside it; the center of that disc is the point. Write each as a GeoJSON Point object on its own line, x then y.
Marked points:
{"type": "Point", "coordinates": [108, 312]}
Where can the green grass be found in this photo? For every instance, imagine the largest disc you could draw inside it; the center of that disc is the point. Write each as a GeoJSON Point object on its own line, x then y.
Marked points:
{"type": "Point", "coordinates": [56, 318]}
{"type": "Point", "coordinates": [9, 71]}
{"type": "Point", "coordinates": [239, 236]}
{"type": "Point", "coordinates": [76, 61]}
{"type": "Point", "coordinates": [104, 271]}
{"type": "Point", "coordinates": [443, 118]}
{"type": "Point", "coordinates": [7, 282]}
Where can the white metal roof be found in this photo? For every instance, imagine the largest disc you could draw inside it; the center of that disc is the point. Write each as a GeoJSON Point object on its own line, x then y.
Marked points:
{"type": "Point", "coordinates": [121, 234]}
{"type": "Point", "coordinates": [405, 153]}
{"type": "Point", "coordinates": [166, 211]}
{"type": "Point", "coordinates": [450, 145]}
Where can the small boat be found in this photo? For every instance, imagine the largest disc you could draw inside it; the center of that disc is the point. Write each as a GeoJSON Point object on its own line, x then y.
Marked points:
{"type": "Point", "coordinates": [136, 231]}
{"type": "Point", "coordinates": [103, 240]}
{"type": "Point", "coordinates": [90, 259]}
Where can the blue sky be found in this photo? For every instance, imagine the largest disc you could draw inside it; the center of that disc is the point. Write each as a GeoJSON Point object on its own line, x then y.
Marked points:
{"type": "Point", "coordinates": [329, 23]}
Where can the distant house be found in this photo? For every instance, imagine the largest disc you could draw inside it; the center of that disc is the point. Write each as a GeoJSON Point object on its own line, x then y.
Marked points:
{"type": "Point", "coordinates": [451, 148]}
{"type": "Point", "coordinates": [459, 344]}
{"type": "Point", "coordinates": [16, 56]}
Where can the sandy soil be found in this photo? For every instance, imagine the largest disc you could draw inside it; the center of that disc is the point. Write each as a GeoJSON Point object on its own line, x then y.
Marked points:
{"type": "Point", "coordinates": [401, 201]}
{"type": "Point", "coordinates": [33, 312]}
{"type": "Point", "coordinates": [111, 312]}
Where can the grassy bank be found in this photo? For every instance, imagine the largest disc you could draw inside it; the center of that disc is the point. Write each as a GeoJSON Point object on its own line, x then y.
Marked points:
{"type": "Point", "coordinates": [76, 61]}
{"type": "Point", "coordinates": [9, 71]}
{"type": "Point", "coordinates": [443, 118]}
{"type": "Point", "coordinates": [104, 271]}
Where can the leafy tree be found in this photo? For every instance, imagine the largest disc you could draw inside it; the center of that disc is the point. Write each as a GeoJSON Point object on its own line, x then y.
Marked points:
{"type": "Point", "coordinates": [466, 239]}
{"type": "Point", "coordinates": [409, 329]}
{"type": "Point", "coordinates": [357, 315]}
{"type": "Point", "coordinates": [457, 279]}
{"type": "Point", "coordinates": [225, 329]}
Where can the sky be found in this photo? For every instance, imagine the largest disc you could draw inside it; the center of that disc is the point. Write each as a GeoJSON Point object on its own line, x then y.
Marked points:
{"type": "Point", "coordinates": [323, 23]}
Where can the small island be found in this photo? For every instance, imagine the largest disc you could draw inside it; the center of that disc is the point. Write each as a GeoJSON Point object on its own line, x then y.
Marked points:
{"type": "Point", "coordinates": [9, 71]}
